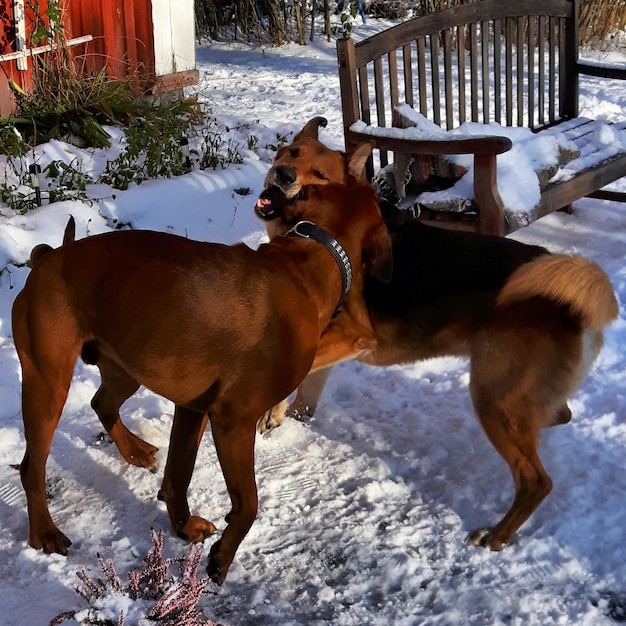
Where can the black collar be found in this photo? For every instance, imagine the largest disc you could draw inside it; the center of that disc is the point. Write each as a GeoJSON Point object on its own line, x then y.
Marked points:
{"type": "Point", "coordinates": [309, 230]}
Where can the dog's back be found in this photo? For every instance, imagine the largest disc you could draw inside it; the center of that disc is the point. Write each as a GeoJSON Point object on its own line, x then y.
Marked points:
{"type": "Point", "coordinates": [443, 289]}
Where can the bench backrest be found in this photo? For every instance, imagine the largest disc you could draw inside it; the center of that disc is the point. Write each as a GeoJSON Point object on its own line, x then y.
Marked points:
{"type": "Point", "coordinates": [508, 61]}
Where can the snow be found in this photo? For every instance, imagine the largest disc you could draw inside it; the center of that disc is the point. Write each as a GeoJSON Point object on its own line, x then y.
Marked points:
{"type": "Point", "coordinates": [364, 509]}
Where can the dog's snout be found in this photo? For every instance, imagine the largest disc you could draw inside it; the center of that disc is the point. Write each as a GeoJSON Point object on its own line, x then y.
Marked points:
{"type": "Point", "coordinates": [286, 175]}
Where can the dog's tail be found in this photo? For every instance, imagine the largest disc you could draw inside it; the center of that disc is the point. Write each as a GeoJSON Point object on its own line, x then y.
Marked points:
{"type": "Point", "coordinates": [570, 280]}
{"type": "Point", "coordinates": [39, 251]}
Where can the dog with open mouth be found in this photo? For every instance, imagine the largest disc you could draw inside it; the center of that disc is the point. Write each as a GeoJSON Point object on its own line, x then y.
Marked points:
{"type": "Point", "coordinates": [304, 162]}
{"type": "Point", "coordinates": [530, 322]}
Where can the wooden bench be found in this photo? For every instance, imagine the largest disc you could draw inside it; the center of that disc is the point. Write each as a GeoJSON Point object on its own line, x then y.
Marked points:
{"type": "Point", "coordinates": [512, 62]}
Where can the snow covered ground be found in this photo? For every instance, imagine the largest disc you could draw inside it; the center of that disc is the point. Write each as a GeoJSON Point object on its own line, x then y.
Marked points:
{"type": "Point", "coordinates": [365, 508]}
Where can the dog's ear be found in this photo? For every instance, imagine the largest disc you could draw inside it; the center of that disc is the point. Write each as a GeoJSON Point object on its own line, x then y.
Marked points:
{"type": "Point", "coordinates": [357, 159]}
{"type": "Point", "coordinates": [70, 231]}
{"type": "Point", "coordinates": [311, 128]}
{"type": "Point", "coordinates": [378, 255]}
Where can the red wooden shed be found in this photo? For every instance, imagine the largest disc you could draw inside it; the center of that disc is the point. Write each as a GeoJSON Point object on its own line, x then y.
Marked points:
{"type": "Point", "coordinates": [150, 40]}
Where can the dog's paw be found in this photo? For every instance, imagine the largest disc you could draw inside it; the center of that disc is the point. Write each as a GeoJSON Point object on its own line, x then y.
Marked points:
{"type": "Point", "coordinates": [143, 456]}
{"type": "Point", "coordinates": [215, 569]}
{"type": "Point", "coordinates": [484, 538]}
{"type": "Point", "coordinates": [196, 529]}
{"type": "Point", "coordinates": [267, 423]}
{"type": "Point", "coordinates": [52, 541]}
{"type": "Point", "coordinates": [272, 418]}
{"type": "Point", "coordinates": [135, 451]}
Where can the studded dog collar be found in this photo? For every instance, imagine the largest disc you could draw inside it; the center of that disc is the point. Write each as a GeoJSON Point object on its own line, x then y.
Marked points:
{"type": "Point", "coordinates": [309, 230]}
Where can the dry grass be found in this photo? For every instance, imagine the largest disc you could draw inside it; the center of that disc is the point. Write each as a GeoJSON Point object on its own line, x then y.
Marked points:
{"type": "Point", "coordinates": [600, 20]}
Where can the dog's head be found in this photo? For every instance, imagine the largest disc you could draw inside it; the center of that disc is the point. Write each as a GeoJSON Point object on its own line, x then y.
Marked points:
{"type": "Point", "coordinates": [350, 213]}
{"type": "Point", "coordinates": [307, 161]}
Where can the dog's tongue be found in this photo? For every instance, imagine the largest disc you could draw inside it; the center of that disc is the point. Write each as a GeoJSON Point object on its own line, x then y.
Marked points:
{"type": "Point", "coordinates": [269, 204]}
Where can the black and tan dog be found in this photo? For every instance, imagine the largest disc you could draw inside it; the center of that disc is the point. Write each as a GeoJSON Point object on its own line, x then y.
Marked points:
{"type": "Point", "coordinates": [530, 322]}
{"type": "Point", "coordinates": [225, 332]}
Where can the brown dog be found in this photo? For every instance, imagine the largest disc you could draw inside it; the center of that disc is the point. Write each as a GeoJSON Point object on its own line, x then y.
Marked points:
{"type": "Point", "coordinates": [224, 332]}
{"type": "Point", "coordinates": [530, 322]}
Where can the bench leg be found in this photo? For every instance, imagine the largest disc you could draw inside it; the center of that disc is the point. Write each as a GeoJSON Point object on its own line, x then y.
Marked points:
{"type": "Point", "coordinates": [490, 205]}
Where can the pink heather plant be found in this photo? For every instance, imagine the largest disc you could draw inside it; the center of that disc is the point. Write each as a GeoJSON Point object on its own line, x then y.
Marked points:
{"type": "Point", "coordinates": [175, 601]}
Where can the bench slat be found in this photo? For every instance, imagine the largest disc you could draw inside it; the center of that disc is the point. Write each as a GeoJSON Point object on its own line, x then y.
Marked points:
{"type": "Point", "coordinates": [434, 81]}
{"type": "Point", "coordinates": [509, 72]}
{"type": "Point", "coordinates": [497, 70]}
{"type": "Point", "coordinates": [519, 47]}
{"type": "Point", "coordinates": [541, 77]}
{"type": "Point", "coordinates": [562, 193]}
{"type": "Point", "coordinates": [531, 70]}
{"type": "Point", "coordinates": [408, 73]}
{"type": "Point", "coordinates": [460, 37]}
{"type": "Point", "coordinates": [448, 78]}
{"type": "Point", "coordinates": [379, 90]}
{"type": "Point", "coordinates": [486, 64]}
{"type": "Point", "coordinates": [474, 87]}
{"type": "Point", "coordinates": [421, 73]}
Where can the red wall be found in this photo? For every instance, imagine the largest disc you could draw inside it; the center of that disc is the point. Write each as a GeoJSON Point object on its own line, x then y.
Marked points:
{"type": "Point", "coordinates": [123, 41]}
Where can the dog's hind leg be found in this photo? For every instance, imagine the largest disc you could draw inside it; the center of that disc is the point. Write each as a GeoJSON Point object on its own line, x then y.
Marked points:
{"type": "Point", "coordinates": [47, 360]}
{"type": "Point", "coordinates": [42, 403]}
{"type": "Point", "coordinates": [115, 388]}
{"type": "Point", "coordinates": [515, 436]}
{"type": "Point", "coordinates": [523, 367]}
{"type": "Point", "coordinates": [187, 430]}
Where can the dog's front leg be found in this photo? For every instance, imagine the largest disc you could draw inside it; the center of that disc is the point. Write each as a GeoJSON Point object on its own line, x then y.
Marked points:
{"type": "Point", "coordinates": [234, 441]}
{"type": "Point", "coordinates": [308, 395]}
{"type": "Point", "coordinates": [187, 430]}
{"type": "Point", "coordinates": [304, 405]}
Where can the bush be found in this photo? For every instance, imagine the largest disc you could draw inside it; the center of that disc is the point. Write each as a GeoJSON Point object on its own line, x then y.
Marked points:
{"type": "Point", "coordinates": [151, 592]}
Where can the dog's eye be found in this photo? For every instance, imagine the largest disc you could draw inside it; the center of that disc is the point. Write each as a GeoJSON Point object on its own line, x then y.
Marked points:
{"type": "Point", "coordinates": [294, 152]}
{"type": "Point", "coordinates": [319, 175]}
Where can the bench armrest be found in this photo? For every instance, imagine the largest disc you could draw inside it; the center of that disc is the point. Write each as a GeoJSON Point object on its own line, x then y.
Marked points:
{"type": "Point", "coordinates": [470, 145]}
{"type": "Point", "coordinates": [485, 150]}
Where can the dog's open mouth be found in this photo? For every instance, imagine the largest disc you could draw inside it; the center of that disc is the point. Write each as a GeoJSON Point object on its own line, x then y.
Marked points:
{"type": "Point", "coordinates": [271, 201]}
